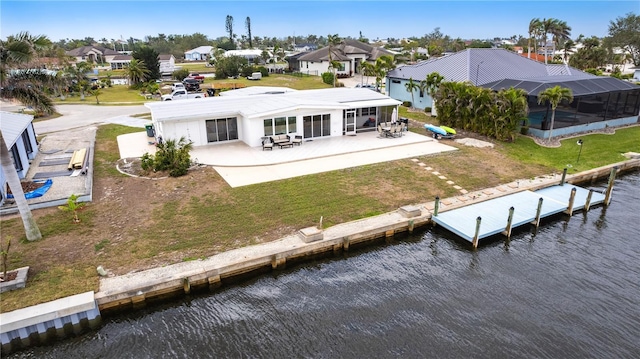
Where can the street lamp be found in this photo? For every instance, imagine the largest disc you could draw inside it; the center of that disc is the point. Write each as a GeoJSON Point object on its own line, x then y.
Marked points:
{"type": "Point", "coordinates": [579, 152]}
{"type": "Point", "coordinates": [478, 71]}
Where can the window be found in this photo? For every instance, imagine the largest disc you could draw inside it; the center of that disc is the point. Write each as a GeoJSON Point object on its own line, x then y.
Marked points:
{"type": "Point", "coordinates": [279, 125]}
{"type": "Point", "coordinates": [27, 142]}
{"type": "Point", "coordinates": [368, 111]}
{"type": "Point", "coordinates": [16, 158]}
{"type": "Point", "coordinates": [222, 129]}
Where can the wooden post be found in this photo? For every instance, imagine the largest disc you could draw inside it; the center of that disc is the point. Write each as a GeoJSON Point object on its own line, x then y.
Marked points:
{"type": "Point", "coordinates": [612, 177]}
{"type": "Point", "coordinates": [186, 285]}
{"type": "Point", "coordinates": [435, 206]}
{"type": "Point", "coordinates": [411, 226]}
{"type": "Point", "coordinates": [475, 237]}
{"type": "Point", "coordinates": [507, 230]}
{"type": "Point", "coordinates": [587, 203]}
{"type": "Point", "coordinates": [572, 198]}
{"type": "Point", "coordinates": [564, 175]}
{"type": "Point", "coordinates": [538, 212]}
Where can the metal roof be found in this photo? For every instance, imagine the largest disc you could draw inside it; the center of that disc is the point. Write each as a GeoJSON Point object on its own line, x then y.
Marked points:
{"type": "Point", "coordinates": [259, 105]}
{"type": "Point", "coordinates": [13, 125]}
{"type": "Point", "coordinates": [579, 87]}
{"type": "Point", "coordinates": [481, 66]}
{"type": "Point", "coordinates": [257, 90]}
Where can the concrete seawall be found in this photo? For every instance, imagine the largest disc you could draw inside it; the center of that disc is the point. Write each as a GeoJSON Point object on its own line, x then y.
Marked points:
{"type": "Point", "coordinates": [135, 290]}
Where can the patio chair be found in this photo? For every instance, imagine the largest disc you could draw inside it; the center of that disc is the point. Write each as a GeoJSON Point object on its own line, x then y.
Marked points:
{"type": "Point", "coordinates": [297, 140]}
{"type": "Point", "coordinates": [267, 144]}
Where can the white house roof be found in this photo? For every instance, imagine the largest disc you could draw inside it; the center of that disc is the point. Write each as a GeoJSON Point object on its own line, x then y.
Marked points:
{"type": "Point", "coordinates": [12, 125]}
{"type": "Point", "coordinates": [247, 52]}
{"type": "Point", "coordinates": [260, 105]}
{"type": "Point", "coordinates": [200, 50]}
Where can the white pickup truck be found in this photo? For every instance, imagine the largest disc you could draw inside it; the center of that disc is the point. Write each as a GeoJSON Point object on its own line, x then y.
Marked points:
{"type": "Point", "coordinates": [181, 95]}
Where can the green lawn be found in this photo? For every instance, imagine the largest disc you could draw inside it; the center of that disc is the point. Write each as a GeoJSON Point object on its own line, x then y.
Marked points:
{"type": "Point", "coordinates": [113, 94]}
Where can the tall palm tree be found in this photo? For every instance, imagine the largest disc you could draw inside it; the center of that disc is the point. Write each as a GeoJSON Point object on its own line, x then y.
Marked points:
{"type": "Point", "coordinates": [534, 26]}
{"type": "Point", "coordinates": [78, 73]}
{"type": "Point", "coordinates": [411, 86]}
{"type": "Point", "coordinates": [567, 47]}
{"type": "Point", "coordinates": [560, 33]}
{"type": "Point", "coordinates": [136, 71]}
{"type": "Point", "coordinates": [546, 26]}
{"type": "Point", "coordinates": [381, 67]}
{"type": "Point", "coordinates": [554, 95]}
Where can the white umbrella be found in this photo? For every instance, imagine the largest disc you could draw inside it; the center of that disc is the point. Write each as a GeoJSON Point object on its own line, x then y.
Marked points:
{"type": "Point", "coordinates": [394, 116]}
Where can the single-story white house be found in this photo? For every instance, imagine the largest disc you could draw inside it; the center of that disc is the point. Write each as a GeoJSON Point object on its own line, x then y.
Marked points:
{"type": "Point", "coordinates": [256, 113]}
{"type": "Point", "coordinates": [17, 131]}
{"type": "Point", "coordinates": [200, 53]}
{"type": "Point", "coordinates": [249, 54]}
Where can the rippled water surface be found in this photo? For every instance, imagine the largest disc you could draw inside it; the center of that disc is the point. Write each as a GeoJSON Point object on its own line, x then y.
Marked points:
{"type": "Point", "coordinates": [570, 291]}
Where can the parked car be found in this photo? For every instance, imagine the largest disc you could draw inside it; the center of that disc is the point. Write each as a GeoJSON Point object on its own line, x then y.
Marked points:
{"type": "Point", "coordinates": [196, 76]}
{"type": "Point", "coordinates": [255, 76]}
{"type": "Point", "coordinates": [181, 95]}
{"type": "Point", "coordinates": [177, 86]}
{"type": "Point", "coordinates": [367, 86]}
{"type": "Point", "coordinates": [191, 84]}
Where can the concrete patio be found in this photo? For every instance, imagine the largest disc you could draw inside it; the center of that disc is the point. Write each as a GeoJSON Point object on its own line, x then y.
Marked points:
{"type": "Point", "coordinates": [241, 165]}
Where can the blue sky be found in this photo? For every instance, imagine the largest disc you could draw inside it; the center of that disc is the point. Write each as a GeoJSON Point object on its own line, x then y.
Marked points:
{"type": "Point", "coordinates": [376, 19]}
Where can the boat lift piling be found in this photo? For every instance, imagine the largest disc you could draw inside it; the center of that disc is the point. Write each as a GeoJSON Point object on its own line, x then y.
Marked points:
{"type": "Point", "coordinates": [435, 206]}
{"type": "Point", "coordinates": [564, 176]}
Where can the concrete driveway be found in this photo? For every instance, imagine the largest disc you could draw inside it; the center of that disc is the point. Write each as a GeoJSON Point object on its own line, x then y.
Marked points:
{"type": "Point", "coordinates": [78, 116]}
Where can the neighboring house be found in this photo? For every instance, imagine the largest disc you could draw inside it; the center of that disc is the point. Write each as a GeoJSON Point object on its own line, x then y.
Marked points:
{"type": "Point", "coordinates": [254, 113]}
{"type": "Point", "coordinates": [95, 54]}
{"type": "Point", "coordinates": [294, 61]}
{"type": "Point", "coordinates": [249, 54]}
{"type": "Point", "coordinates": [636, 75]}
{"type": "Point", "coordinates": [350, 53]}
{"type": "Point", "coordinates": [17, 131]}
{"type": "Point", "coordinates": [167, 64]}
{"type": "Point", "coordinates": [200, 53]}
{"type": "Point", "coordinates": [305, 47]}
{"type": "Point", "coordinates": [599, 101]}
{"type": "Point", "coordinates": [120, 62]}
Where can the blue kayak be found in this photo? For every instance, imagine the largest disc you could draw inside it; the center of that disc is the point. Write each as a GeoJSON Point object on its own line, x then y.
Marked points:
{"type": "Point", "coordinates": [435, 129]}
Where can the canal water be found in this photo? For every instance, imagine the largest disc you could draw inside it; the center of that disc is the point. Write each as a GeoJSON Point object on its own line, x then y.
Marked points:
{"type": "Point", "coordinates": [570, 291]}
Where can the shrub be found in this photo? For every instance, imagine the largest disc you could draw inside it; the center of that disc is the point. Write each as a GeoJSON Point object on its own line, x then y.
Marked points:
{"type": "Point", "coordinates": [406, 103]}
{"type": "Point", "coordinates": [180, 74]}
{"type": "Point", "coordinates": [170, 156]}
{"type": "Point", "coordinates": [327, 78]}
{"type": "Point", "coordinates": [264, 71]}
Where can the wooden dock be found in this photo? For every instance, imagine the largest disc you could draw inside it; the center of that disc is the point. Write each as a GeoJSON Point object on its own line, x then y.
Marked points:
{"type": "Point", "coordinates": [484, 219]}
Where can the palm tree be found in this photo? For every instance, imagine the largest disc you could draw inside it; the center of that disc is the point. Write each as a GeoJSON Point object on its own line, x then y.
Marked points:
{"type": "Point", "coordinates": [26, 86]}
{"type": "Point", "coordinates": [567, 47]}
{"type": "Point", "coordinates": [411, 87]}
{"type": "Point", "coordinates": [333, 41]}
{"type": "Point", "coordinates": [560, 33]}
{"type": "Point", "coordinates": [546, 27]}
{"type": "Point", "coordinates": [383, 65]}
{"type": "Point", "coordinates": [555, 95]}
{"type": "Point", "coordinates": [534, 26]}
{"type": "Point", "coordinates": [78, 73]}
{"type": "Point", "coordinates": [136, 71]}
{"type": "Point", "coordinates": [433, 82]}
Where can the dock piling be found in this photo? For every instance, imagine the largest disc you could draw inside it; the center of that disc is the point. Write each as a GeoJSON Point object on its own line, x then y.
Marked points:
{"type": "Point", "coordinates": [435, 206]}
{"type": "Point", "coordinates": [612, 177]}
{"type": "Point", "coordinates": [507, 230]}
{"type": "Point", "coordinates": [186, 285]}
{"type": "Point", "coordinates": [572, 198]}
{"type": "Point", "coordinates": [536, 222]}
{"type": "Point", "coordinates": [564, 176]}
{"type": "Point", "coordinates": [587, 202]}
{"type": "Point", "coordinates": [475, 237]}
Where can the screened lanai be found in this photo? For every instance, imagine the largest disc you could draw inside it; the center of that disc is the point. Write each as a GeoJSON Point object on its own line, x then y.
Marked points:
{"type": "Point", "coordinates": [598, 102]}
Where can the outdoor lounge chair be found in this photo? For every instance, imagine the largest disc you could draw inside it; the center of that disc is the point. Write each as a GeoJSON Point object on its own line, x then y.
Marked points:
{"type": "Point", "coordinates": [297, 140]}
{"type": "Point", "coordinates": [267, 144]}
